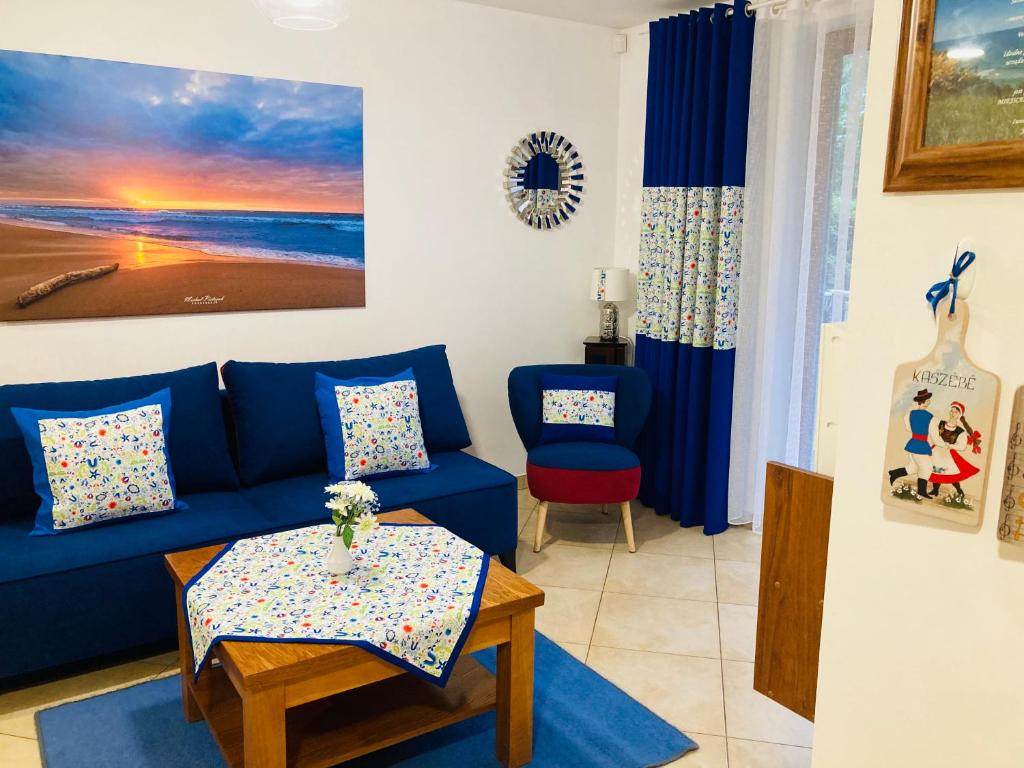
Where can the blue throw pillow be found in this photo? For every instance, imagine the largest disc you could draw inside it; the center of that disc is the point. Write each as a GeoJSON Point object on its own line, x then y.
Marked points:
{"type": "Point", "coordinates": [199, 451]}
{"type": "Point", "coordinates": [577, 408]}
{"type": "Point", "coordinates": [371, 426]}
{"type": "Point", "coordinates": [93, 467]}
{"type": "Point", "coordinates": [277, 424]}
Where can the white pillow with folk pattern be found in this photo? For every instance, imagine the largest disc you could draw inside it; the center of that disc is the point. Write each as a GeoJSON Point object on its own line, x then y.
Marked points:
{"type": "Point", "coordinates": [371, 426]}
{"type": "Point", "coordinates": [93, 467]}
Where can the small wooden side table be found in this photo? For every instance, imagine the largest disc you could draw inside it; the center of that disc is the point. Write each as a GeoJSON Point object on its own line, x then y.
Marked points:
{"type": "Point", "coordinates": [595, 350]}
{"type": "Point", "coordinates": [314, 705]}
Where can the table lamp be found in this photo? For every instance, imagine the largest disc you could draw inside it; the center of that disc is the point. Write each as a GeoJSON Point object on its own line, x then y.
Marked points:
{"type": "Point", "coordinates": [609, 285]}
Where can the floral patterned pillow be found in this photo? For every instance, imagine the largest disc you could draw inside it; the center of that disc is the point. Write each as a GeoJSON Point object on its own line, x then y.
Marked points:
{"type": "Point", "coordinates": [578, 408]}
{"type": "Point", "coordinates": [371, 426]}
{"type": "Point", "coordinates": [92, 467]}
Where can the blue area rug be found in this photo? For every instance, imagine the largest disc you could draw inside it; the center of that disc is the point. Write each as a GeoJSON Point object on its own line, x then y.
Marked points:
{"type": "Point", "coordinates": [580, 719]}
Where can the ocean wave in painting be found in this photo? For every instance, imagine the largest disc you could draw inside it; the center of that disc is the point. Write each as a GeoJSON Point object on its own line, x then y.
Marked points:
{"type": "Point", "coordinates": [319, 238]}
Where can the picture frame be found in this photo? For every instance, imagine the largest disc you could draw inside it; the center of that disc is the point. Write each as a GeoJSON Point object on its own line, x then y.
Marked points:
{"type": "Point", "coordinates": [914, 163]}
{"type": "Point", "coordinates": [131, 190]}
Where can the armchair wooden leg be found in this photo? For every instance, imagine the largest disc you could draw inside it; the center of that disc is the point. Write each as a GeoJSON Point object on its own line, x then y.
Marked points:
{"type": "Point", "coordinates": [542, 514]}
{"type": "Point", "coordinates": [627, 523]}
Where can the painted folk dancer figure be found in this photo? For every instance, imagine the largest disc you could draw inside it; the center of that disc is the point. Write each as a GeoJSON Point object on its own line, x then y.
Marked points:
{"type": "Point", "coordinates": [950, 465]}
{"type": "Point", "coordinates": [919, 447]}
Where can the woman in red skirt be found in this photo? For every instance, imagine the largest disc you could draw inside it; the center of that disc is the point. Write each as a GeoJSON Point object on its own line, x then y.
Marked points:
{"type": "Point", "coordinates": [950, 464]}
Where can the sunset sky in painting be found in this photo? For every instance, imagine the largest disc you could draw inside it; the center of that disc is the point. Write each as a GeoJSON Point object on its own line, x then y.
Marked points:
{"type": "Point", "coordinates": [87, 132]}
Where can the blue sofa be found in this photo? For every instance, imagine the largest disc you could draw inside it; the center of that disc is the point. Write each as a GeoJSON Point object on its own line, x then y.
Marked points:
{"type": "Point", "coordinates": [247, 462]}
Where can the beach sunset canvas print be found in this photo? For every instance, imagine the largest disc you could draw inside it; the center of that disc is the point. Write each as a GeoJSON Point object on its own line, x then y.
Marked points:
{"type": "Point", "coordinates": [128, 189]}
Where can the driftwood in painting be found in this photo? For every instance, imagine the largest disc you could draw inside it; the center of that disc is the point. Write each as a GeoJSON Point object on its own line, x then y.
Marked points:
{"type": "Point", "coordinates": [45, 288]}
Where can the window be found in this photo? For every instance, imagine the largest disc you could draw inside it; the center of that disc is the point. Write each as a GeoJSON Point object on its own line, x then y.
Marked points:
{"type": "Point", "coordinates": [806, 115]}
{"type": "Point", "coordinates": [835, 154]}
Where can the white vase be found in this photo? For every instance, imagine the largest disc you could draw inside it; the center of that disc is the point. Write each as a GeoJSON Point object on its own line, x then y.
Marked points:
{"type": "Point", "coordinates": [339, 559]}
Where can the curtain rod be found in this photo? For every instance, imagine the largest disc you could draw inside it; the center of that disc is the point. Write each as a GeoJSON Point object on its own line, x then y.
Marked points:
{"type": "Point", "coordinates": [775, 7]}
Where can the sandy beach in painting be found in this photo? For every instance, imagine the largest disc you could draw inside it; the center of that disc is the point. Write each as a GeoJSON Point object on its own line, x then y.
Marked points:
{"type": "Point", "coordinates": [156, 278]}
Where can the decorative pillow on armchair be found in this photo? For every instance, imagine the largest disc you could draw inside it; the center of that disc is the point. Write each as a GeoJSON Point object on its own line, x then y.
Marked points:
{"type": "Point", "coordinates": [578, 408]}
{"type": "Point", "coordinates": [92, 467]}
{"type": "Point", "coordinates": [371, 426]}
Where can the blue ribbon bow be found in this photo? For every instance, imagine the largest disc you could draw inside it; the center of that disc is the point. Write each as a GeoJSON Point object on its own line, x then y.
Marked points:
{"type": "Point", "coordinates": [939, 291]}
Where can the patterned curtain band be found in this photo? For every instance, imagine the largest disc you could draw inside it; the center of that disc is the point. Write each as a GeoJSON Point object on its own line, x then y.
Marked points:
{"type": "Point", "coordinates": [688, 277]}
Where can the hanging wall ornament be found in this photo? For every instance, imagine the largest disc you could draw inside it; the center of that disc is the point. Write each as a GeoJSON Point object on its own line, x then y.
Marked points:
{"type": "Point", "coordinates": [1011, 524]}
{"type": "Point", "coordinates": [942, 415]}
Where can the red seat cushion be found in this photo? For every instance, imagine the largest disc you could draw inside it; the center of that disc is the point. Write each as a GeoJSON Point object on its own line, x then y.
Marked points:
{"type": "Point", "coordinates": [583, 486]}
{"type": "Point", "coordinates": [583, 473]}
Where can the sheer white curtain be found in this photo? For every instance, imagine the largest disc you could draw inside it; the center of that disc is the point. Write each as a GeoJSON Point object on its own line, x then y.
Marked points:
{"type": "Point", "coordinates": [806, 111]}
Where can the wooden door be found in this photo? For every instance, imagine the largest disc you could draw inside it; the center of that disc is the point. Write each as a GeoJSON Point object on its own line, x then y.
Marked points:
{"type": "Point", "coordinates": [797, 510]}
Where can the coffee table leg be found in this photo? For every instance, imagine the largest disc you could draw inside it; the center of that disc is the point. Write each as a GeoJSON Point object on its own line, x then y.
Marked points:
{"type": "Point", "coordinates": [515, 693]}
{"type": "Point", "coordinates": [263, 730]}
{"type": "Point", "coordinates": [193, 714]}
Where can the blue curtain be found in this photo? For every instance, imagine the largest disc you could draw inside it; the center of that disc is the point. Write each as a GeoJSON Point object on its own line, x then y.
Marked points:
{"type": "Point", "coordinates": [698, 97]}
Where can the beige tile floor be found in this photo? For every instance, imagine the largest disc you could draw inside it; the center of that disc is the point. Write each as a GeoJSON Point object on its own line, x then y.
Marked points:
{"type": "Point", "coordinates": [672, 625]}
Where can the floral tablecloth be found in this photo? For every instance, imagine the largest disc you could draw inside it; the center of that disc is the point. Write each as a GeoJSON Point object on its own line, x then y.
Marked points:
{"type": "Point", "coordinates": [411, 597]}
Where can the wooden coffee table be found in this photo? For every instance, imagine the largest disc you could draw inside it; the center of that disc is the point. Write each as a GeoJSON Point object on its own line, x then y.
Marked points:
{"type": "Point", "coordinates": [271, 705]}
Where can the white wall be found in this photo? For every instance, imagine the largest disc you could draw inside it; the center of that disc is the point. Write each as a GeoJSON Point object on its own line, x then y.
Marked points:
{"type": "Point", "coordinates": [632, 122]}
{"type": "Point", "coordinates": [632, 119]}
{"type": "Point", "coordinates": [449, 88]}
{"type": "Point", "coordinates": [920, 662]}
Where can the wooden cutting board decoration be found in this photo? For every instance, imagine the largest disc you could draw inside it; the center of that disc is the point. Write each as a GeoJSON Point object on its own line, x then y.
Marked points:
{"type": "Point", "coordinates": [941, 418]}
{"type": "Point", "coordinates": [1011, 524]}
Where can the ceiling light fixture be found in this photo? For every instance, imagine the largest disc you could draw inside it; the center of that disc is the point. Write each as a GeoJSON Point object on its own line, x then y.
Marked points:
{"type": "Point", "coordinates": [306, 15]}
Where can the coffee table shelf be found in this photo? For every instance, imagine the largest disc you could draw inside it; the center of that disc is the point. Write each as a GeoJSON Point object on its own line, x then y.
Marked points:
{"type": "Point", "coordinates": [348, 725]}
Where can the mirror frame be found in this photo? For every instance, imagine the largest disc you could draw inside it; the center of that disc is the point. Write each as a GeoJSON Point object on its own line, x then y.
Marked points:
{"type": "Point", "coordinates": [570, 179]}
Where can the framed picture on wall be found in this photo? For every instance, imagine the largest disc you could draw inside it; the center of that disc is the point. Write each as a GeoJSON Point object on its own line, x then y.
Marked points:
{"type": "Point", "coordinates": [958, 102]}
{"type": "Point", "coordinates": [132, 189]}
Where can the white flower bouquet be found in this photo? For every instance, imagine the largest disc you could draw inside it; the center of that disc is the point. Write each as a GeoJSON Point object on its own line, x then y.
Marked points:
{"type": "Point", "coordinates": [352, 506]}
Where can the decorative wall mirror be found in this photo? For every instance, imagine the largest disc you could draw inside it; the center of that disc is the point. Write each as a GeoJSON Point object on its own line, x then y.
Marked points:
{"type": "Point", "coordinates": [544, 180]}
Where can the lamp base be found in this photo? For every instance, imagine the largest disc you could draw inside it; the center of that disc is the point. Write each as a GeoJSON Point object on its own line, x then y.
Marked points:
{"type": "Point", "coordinates": [609, 322]}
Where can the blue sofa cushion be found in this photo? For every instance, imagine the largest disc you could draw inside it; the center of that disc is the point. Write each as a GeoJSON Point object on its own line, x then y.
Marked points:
{"type": "Point", "coordinates": [277, 424]}
{"type": "Point", "coordinates": [470, 497]}
{"type": "Point", "coordinates": [596, 457]}
{"type": "Point", "coordinates": [92, 611]}
{"type": "Point", "coordinates": [210, 518]}
{"type": "Point", "coordinates": [198, 445]}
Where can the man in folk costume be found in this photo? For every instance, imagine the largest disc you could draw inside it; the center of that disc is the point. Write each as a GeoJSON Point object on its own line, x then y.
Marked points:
{"type": "Point", "coordinates": [919, 447]}
{"type": "Point", "coordinates": [950, 465]}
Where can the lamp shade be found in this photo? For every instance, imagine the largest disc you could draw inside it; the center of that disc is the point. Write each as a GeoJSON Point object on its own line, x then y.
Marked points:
{"type": "Point", "coordinates": [306, 15]}
{"type": "Point", "coordinates": [610, 284]}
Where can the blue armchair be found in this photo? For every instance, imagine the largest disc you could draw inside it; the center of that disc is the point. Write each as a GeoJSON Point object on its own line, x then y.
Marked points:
{"type": "Point", "coordinates": [581, 472]}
